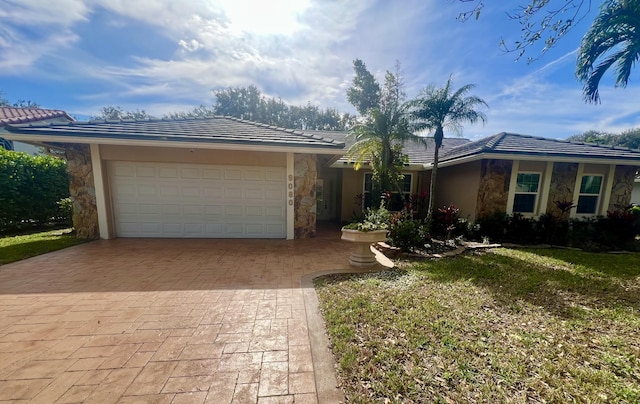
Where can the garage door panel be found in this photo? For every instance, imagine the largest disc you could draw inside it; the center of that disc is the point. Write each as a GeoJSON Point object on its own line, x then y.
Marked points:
{"type": "Point", "coordinates": [212, 173]}
{"type": "Point", "coordinates": [195, 200]}
{"type": "Point", "coordinates": [192, 173]}
{"type": "Point", "coordinates": [233, 175]}
{"type": "Point", "coordinates": [150, 208]}
{"type": "Point", "coordinates": [191, 192]}
{"type": "Point", "coordinates": [145, 171]}
{"type": "Point", "coordinates": [274, 195]}
{"type": "Point", "coordinates": [167, 172]}
{"type": "Point", "coordinates": [274, 175]}
{"type": "Point", "coordinates": [169, 191]}
{"type": "Point", "coordinates": [254, 193]}
{"type": "Point", "coordinates": [232, 210]}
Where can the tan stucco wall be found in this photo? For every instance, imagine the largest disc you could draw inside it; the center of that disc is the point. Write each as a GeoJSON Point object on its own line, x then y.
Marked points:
{"type": "Point", "coordinates": [459, 185]}
{"type": "Point", "coordinates": [196, 156]}
{"type": "Point", "coordinates": [352, 185]}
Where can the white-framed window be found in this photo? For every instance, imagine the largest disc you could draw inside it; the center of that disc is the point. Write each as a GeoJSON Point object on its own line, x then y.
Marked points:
{"type": "Point", "coordinates": [526, 192]}
{"type": "Point", "coordinates": [398, 199]}
{"type": "Point", "coordinates": [589, 196]}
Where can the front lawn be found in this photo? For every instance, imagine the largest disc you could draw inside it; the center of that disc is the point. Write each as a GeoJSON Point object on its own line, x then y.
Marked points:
{"type": "Point", "coordinates": [16, 248]}
{"type": "Point", "coordinates": [500, 326]}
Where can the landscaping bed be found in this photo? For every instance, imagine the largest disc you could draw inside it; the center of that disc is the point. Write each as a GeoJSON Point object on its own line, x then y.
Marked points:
{"type": "Point", "coordinates": [502, 325]}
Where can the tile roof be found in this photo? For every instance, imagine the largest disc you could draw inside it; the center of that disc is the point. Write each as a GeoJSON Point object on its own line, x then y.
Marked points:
{"type": "Point", "coordinates": [416, 152]}
{"type": "Point", "coordinates": [511, 143]}
{"type": "Point", "coordinates": [14, 116]}
{"type": "Point", "coordinates": [217, 130]}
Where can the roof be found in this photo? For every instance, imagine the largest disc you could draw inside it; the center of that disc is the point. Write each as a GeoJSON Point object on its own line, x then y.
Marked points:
{"type": "Point", "coordinates": [418, 154]}
{"type": "Point", "coordinates": [209, 130]}
{"type": "Point", "coordinates": [511, 143]}
{"type": "Point", "coordinates": [14, 116]}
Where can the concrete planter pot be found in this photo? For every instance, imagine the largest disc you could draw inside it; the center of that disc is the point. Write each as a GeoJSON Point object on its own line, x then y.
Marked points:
{"type": "Point", "coordinates": [362, 256]}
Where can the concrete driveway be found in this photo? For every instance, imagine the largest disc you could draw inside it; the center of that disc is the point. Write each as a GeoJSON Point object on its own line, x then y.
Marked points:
{"type": "Point", "coordinates": [168, 321]}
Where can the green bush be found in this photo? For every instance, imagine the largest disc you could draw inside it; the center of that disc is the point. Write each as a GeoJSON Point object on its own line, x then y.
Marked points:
{"type": "Point", "coordinates": [493, 226]}
{"type": "Point", "coordinates": [407, 233]}
{"type": "Point", "coordinates": [32, 187]}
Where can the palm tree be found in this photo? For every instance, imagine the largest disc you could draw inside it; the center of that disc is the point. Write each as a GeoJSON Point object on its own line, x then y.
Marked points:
{"type": "Point", "coordinates": [439, 108]}
{"type": "Point", "coordinates": [613, 38]}
{"type": "Point", "coordinates": [378, 141]}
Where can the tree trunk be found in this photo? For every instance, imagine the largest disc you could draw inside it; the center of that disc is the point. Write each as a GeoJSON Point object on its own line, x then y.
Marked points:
{"type": "Point", "coordinates": [438, 137]}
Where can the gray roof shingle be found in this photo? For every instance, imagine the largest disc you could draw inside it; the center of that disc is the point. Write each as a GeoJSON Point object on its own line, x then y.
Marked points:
{"type": "Point", "coordinates": [217, 129]}
{"type": "Point", "coordinates": [416, 152]}
{"type": "Point", "coordinates": [511, 143]}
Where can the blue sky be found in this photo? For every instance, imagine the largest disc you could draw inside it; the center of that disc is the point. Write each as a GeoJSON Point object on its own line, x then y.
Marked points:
{"type": "Point", "coordinates": [165, 55]}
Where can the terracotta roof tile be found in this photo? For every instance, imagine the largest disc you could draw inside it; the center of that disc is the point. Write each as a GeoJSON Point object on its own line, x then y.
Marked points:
{"type": "Point", "coordinates": [14, 116]}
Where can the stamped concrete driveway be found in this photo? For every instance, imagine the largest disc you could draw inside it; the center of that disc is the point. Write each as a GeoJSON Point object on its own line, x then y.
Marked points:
{"type": "Point", "coordinates": [168, 321]}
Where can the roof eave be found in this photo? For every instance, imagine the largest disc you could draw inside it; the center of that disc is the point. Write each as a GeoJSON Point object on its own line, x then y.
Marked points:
{"type": "Point", "coordinates": [537, 157]}
{"type": "Point", "coordinates": [241, 146]}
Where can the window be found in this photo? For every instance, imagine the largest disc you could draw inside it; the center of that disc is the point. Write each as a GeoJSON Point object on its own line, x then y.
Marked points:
{"type": "Point", "coordinates": [589, 194]}
{"type": "Point", "coordinates": [397, 199]}
{"type": "Point", "coordinates": [526, 192]}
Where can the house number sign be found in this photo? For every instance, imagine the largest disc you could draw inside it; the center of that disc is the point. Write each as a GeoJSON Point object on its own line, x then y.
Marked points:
{"type": "Point", "coordinates": [290, 188]}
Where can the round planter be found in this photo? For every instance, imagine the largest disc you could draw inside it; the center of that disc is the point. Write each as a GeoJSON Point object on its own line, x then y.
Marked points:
{"type": "Point", "coordinates": [362, 256]}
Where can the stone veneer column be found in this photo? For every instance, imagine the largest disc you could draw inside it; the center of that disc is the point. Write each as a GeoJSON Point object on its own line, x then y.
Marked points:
{"type": "Point", "coordinates": [305, 170]}
{"type": "Point", "coordinates": [82, 191]}
{"type": "Point", "coordinates": [622, 188]}
{"type": "Point", "coordinates": [563, 182]}
{"type": "Point", "coordinates": [494, 186]}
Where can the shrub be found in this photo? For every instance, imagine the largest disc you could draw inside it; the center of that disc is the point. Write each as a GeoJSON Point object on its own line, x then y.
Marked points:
{"type": "Point", "coordinates": [445, 220]}
{"type": "Point", "coordinates": [493, 225]}
{"type": "Point", "coordinates": [407, 233]}
{"type": "Point", "coordinates": [520, 229]}
{"type": "Point", "coordinates": [31, 188]}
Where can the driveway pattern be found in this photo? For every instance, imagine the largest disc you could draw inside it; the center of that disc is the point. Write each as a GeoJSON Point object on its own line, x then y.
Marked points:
{"type": "Point", "coordinates": [163, 321]}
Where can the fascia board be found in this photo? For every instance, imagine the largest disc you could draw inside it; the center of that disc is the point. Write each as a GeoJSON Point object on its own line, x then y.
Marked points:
{"type": "Point", "coordinates": [530, 157]}
{"type": "Point", "coordinates": [181, 144]}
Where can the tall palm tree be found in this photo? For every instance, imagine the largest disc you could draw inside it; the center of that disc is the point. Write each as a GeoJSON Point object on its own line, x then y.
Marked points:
{"type": "Point", "coordinates": [437, 108]}
{"type": "Point", "coordinates": [378, 141]}
{"type": "Point", "coordinates": [613, 38]}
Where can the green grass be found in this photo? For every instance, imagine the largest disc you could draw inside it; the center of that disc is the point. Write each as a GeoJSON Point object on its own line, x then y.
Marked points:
{"type": "Point", "coordinates": [502, 326]}
{"type": "Point", "coordinates": [16, 248]}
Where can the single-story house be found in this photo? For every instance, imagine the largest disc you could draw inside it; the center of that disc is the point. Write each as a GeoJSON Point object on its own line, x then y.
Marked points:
{"type": "Point", "coordinates": [22, 116]}
{"type": "Point", "coordinates": [225, 177]}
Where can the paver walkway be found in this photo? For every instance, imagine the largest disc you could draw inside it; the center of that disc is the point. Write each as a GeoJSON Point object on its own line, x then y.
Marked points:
{"type": "Point", "coordinates": [163, 321]}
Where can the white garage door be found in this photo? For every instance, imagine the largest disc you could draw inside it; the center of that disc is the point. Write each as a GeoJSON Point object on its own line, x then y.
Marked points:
{"type": "Point", "coordinates": [197, 200]}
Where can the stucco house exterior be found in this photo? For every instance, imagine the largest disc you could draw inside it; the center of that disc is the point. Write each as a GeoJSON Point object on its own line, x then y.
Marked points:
{"type": "Point", "coordinates": [222, 177]}
{"type": "Point", "coordinates": [24, 116]}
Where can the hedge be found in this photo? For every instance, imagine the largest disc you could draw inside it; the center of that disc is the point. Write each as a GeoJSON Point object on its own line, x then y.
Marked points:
{"type": "Point", "coordinates": [31, 190]}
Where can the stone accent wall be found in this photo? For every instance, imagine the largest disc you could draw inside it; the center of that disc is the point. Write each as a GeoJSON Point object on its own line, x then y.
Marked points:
{"type": "Point", "coordinates": [622, 187]}
{"type": "Point", "coordinates": [306, 173]}
{"type": "Point", "coordinates": [493, 191]}
{"type": "Point", "coordinates": [82, 190]}
{"type": "Point", "coordinates": [563, 182]}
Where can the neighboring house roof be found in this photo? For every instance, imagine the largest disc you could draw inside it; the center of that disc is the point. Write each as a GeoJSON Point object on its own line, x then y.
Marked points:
{"type": "Point", "coordinates": [16, 116]}
{"type": "Point", "coordinates": [511, 143]}
{"type": "Point", "coordinates": [13, 115]}
{"type": "Point", "coordinates": [418, 154]}
{"type": "Point", "coordinates": [191, 131]}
